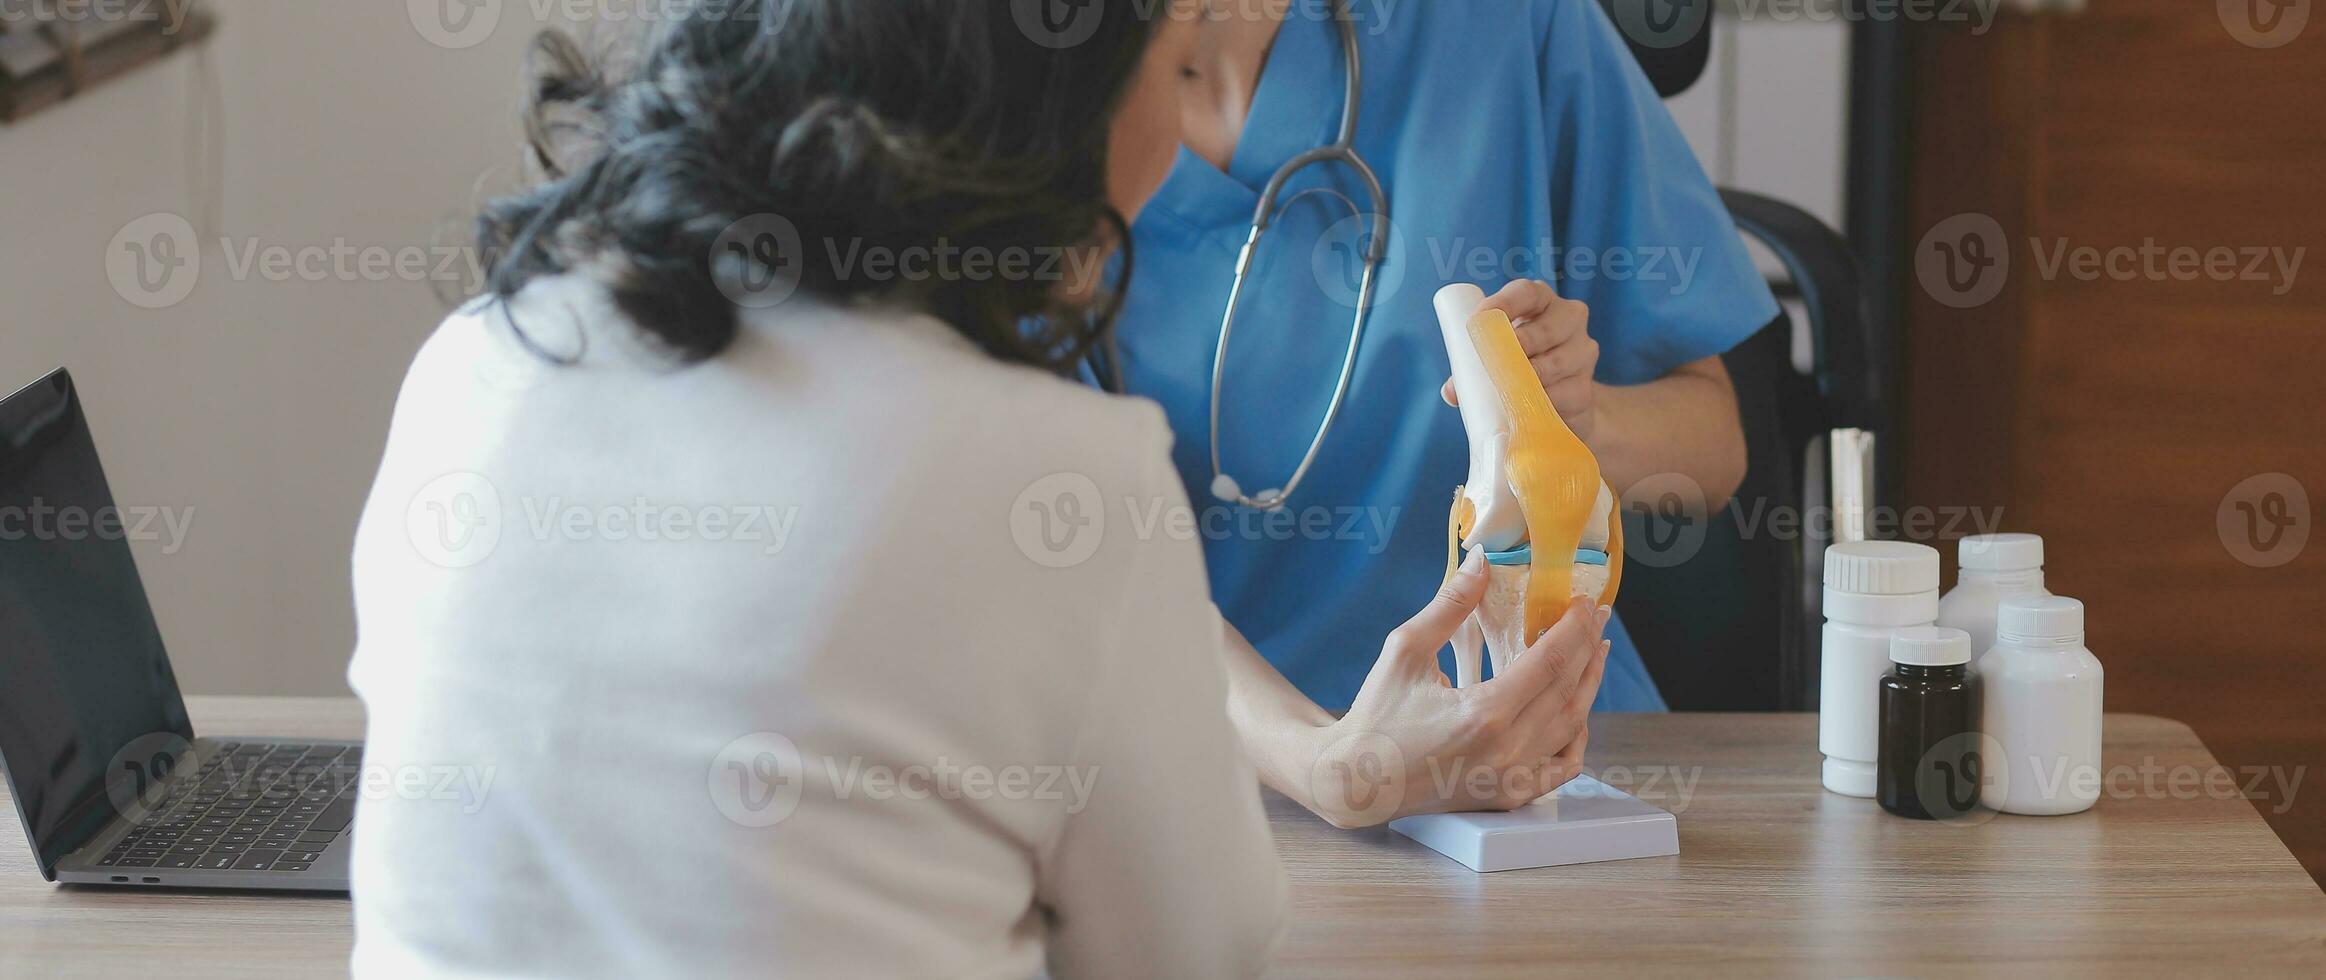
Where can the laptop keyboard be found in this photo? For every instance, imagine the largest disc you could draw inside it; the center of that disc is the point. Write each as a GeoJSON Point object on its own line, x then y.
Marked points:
{"type": "Point", "coordinates": [262, 807]}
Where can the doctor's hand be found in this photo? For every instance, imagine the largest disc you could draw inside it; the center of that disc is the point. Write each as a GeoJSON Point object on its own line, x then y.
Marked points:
{"type": "Point", "coordinates": [1555, 334]}
{"type": "Point", "coordinates": [1414, 743]}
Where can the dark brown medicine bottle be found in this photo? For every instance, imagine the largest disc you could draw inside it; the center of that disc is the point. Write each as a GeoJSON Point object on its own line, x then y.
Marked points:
{"type": "Point", "coordinates": [1928, 764]}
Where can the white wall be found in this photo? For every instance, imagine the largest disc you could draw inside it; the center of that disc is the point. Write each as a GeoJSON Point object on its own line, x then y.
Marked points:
{"type": "Point", "coordinates": [1771, 116]}
{"type": "Point", "coordinates": [259, 406]}
{"type": "Point", "coordinates": [1781, 88]}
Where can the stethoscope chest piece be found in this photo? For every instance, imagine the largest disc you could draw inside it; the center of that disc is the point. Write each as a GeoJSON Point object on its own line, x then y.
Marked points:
{"type": "Point", "coordinates": [1228, 490]}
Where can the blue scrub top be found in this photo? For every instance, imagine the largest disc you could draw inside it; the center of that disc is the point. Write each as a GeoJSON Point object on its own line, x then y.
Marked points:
{"type": "Point", "coordinates": [1517, 140]}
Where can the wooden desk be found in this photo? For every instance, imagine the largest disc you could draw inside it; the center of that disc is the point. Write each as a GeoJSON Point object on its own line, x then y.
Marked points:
{"type": "Point", "coordinates": [1774, 876]}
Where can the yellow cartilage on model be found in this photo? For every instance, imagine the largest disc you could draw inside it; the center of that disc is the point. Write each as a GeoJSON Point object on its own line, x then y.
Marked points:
{"type": "Point", "coordinates": [1533, 484]}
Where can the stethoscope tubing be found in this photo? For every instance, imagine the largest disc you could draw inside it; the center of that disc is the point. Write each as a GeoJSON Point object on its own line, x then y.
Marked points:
{"type": "Point", "coordinates": [1342, 150]}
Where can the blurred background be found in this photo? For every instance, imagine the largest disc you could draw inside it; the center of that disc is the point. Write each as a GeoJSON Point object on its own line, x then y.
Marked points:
{"type": "Point", "coordinates": [235, 222]}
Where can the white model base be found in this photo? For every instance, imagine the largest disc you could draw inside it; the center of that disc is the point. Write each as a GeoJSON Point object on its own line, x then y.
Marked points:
{"type": "Point", "coordinates": [1586, 821]}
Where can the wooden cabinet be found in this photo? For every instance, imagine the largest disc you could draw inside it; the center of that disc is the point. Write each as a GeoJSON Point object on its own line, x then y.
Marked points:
{"type": "Point", "coordinates": [2148, 180]}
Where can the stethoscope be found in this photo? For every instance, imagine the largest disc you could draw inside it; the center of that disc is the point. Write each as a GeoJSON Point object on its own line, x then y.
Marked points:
{"type": "Point", "coordinates": [1343, 150]}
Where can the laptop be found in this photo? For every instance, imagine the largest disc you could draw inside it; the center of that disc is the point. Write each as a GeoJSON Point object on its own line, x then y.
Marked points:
{"type": "Point", "coordinates": [114, 786]}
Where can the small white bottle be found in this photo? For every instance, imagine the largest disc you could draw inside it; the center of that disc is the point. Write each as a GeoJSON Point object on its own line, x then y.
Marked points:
{"type": "Point", "coordinates": [2042, 709]}
{"type": "Point", "coordinates": [1995, 567]}
{"type": "Point", "coordinates": [1872, 589]}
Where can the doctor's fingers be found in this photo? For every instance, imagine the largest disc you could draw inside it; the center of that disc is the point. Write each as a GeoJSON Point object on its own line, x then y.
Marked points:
{"type": "Point", "coordinates": [1557, 325]}
{"type": "Point", "coordinates": [1523, 300]}
{"type": "Point", "coordinates": [1420, 638]}
{"type": "Point", "coordinates": [1572, 362]}
{"type": "Point", "coordinates": [1576, 358]}
{"type": "Point", "coordinates": [1548, 670]}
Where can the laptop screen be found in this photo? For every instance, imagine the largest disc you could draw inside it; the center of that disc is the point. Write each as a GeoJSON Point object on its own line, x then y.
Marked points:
{"type": "Point", "coordinates": [86, 692]}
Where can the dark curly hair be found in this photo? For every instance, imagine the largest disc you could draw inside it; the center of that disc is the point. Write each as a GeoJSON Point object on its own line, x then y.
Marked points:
{"type": "Point", "coordinates": [867, 125]}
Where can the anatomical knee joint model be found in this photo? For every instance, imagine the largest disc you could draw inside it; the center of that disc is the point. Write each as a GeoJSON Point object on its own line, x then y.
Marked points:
{"type": "Point", "coordinates": [1534, 502]}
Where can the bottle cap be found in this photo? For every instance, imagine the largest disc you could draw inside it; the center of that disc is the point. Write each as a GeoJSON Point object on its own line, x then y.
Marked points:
{"type": "Point", "coordinates": [1930, 646]}
{"type": "Point", "coordinates": [1881, 568]}
{"type": "Point", "coordinates": [2040, 617]}
{"type": "Point", "coordinates": [2001, 552]}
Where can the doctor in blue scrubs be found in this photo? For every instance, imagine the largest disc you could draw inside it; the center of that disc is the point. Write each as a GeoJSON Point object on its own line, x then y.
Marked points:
{"type": "Point", "coordinates": [1522, 149]}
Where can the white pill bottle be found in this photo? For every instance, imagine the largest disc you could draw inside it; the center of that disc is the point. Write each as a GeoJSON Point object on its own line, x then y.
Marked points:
{"type": "Point", "coordinates": [1872, 589]}
{"type": "Point", "coordinates": [1995, 567]}
{"type": "Point", "coordinates": [2042, 710]}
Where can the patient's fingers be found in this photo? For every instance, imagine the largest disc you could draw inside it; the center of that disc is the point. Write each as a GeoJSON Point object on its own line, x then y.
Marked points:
{"type": "Point", "coordinates": [1556, 722]}
{"type": "Point", "coordinates": [1554, 662]}
{"type": "Point", "coordinates": [1422, 636]}
{"type": "Point", "coordinates": [1565, 765]}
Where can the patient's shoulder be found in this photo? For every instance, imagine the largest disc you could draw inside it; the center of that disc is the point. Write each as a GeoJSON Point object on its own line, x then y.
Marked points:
{"type": "Point", "coordinates": [883, 395]}
{"type": "Point", "coordinates": [916, 382]}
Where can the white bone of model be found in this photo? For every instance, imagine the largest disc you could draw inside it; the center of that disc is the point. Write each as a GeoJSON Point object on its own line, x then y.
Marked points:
{"type": "Point", "coordinates": [1499, 525]}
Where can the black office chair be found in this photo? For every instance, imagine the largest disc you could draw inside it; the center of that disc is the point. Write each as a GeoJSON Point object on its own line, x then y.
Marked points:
{"type": "Point", "coordinates": [1729, 621]}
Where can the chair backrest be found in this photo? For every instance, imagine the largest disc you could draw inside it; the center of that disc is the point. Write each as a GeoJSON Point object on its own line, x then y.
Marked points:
{"type": "Point", "coordinates": [1728, 608]}
{"type": "Point", "coordinates": [1672, 39]}
{"type": "Point", "coordinates": [1707, 603]}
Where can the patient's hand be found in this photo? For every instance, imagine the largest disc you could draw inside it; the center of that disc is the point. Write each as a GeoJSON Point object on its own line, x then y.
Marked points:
{"type": "Point", "coordinates": [1414, 743]}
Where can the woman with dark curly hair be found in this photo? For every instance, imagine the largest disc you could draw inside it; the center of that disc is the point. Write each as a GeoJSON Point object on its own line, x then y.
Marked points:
{"type": "Point", "coordinates": [774, 599]}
